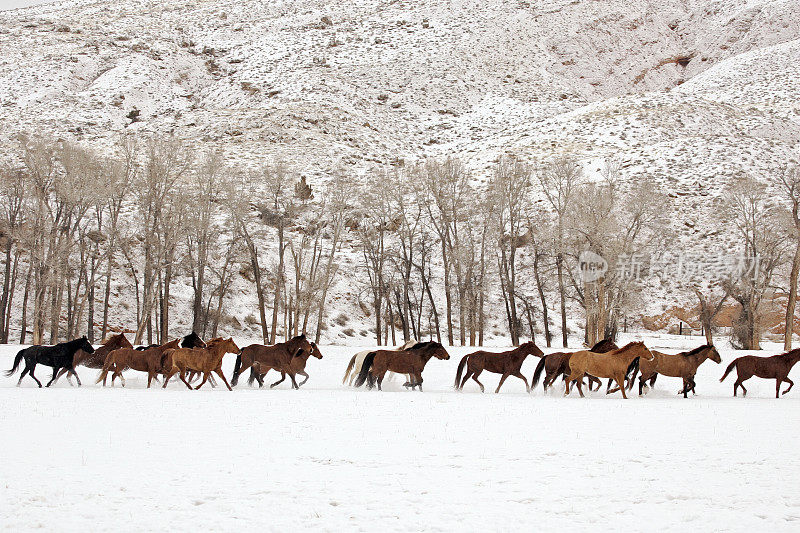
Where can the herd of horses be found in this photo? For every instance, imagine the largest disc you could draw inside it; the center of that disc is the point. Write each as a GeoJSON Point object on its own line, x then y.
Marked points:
{"type": "Point", "coordinates": [190, 357]}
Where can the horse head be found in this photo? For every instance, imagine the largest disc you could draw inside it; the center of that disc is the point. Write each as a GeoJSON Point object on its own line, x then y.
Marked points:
{"type": "Point", "coordinates": [530, 348]}
{"type": "Point", "coordinates": [439, 351]}
{"type": "Point", "coordinates": [315, 350]}
{"type": "Point", "coordinates": [713, 354]}
{"type": "Point", "coordinates": [84, 345]}
{"type": "Point", "coordinates": [230, 346]}
{"type": "Point", "coordinates": [644, 352]}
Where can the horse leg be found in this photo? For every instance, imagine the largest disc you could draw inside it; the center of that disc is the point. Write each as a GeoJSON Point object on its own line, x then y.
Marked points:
{"type": "Point", "coordinates": [25, 371]}
{"type": "Point", "coordinates": [791, 384]}
{"type": "Point", "coordinates": [34, 377]}
{"type": "Point", "coordinates": [523, 378]}
{"type": "Point", "coordinates": [502, 380]}
{"type": "Point", "coordinates": [466, 377]}
{"type": "Point", "coordinates": [379, 379]}
{"type": "Point", "coordinates": [475, 379]}
{"type": "Point", "coordinates": [55, 373]}
{"type": "Point", "coordinates": [222, 376]}
{"type": "Point", "coordinates": [621, 385]}
{"type": "Point", "coordinates": [608, 387]}
{"type": "Point", "coordinates": [580, 387]}
{"type": "Point", "coordinates": [78, 379]}
{"type": "Point", "coordinates": [419, 382]}
{"type": "Point", "coordinates": [182, 375]}
{"type": "Point", "coordinates": [294, 382]}
{"type": "Point", "coordinates": [778, 382]}
{"type": "Point", "coordinates": [212, 381]}
{"type": "Point", "coordinates": [599, 382]}
{"type": "Point", "coordinates": [283, 377]}
{"type": "Point", "coordinates": [205, 378]}
{"type": "Point", "coordinates": [305, 375]}
{"type": "Point", "coordinates": [641, 385]}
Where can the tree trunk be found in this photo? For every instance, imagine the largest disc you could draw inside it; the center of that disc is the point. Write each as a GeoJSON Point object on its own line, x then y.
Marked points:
{"type": "Point", "coordinates": [560, 271]}
{"type": "Point", "coordinates": [4, 297]}
{"type": "Point", "coordinates": [788, 329]}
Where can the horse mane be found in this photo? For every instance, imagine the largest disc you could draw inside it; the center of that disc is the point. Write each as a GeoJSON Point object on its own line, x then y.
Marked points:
{"type": "Point", "coordinates": [628, 345]}
{"type": "Point", "coordinates": [420, 345]}
{"type": "Point", "coordinates": [791, 353]}
{"type": "Point", "coordinates": [697, 350]}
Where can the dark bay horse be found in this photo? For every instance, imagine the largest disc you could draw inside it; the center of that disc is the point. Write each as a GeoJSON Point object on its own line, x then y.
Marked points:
{"type": "Point", "coordinates": [58, 356]}
{"type": "Point", "coordinates": [507, 363]}
{"type": "Point", "coordinates": [616, 364]}
{"type": "Point", "coordinates": [96, 359]}
{"type": "Point", "coordinates": [557, 364]}
{"type": "Point", "coordinates": [776, 367]}
{"type": "Point", "coordinates": [682, 365]}
{"type": "Point", "coordinates": [297, 364]}
{"type": "Point", "coordinates": [409, 361]}
{"type": "Point", "coordinates": [150, 360]}
{"type": "Point", "coordinates": [278, 357]}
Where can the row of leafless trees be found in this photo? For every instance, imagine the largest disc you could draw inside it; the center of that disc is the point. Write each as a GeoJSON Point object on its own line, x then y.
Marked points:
{"type": "Point", "coordinates": [438, 252]}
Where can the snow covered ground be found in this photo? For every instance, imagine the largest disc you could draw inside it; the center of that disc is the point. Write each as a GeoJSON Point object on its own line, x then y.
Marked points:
{"type": "Point", "coordinates": [329, 458]}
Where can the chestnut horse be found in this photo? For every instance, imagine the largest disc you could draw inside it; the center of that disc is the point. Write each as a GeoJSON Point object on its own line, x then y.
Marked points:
{"type": "Point", "coordinates": [410, 361]}
{"type": "Point", "coordinates": [776, 367]}
{"type": "Point", "coordinates": [278, 357]}
{"type": "Point", "coordinates": [96, 359]}
{"type": "Point", "coordinates": [150, 360]}
{"type": "Point", "coordinates": [682, 365]}
{"type": "Point", "coordinates": [616, 364]}
{"type": "Point", "coordinates": [557, 364]}
{"type": "Point", "coordinates": [205, 360]}
{"type": "Point", "coordinates": [506, 363]}
{"type": "Point", "coordinates": [297, 364]}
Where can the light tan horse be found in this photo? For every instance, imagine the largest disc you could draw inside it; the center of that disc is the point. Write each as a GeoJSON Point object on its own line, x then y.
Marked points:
{"type": "Point", "coordinates": [616, 365]}
{"type": "Point", "coordinates": [682, 365]}
{"type": "Point", "coordinates": [205, 360]}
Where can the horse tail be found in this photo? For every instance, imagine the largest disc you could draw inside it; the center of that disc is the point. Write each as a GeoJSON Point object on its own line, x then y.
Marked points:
{"type": "Point", "coordinates": [17, 361]}
{"type": "Point", "coordinates": [349, 369]}
{"type": "Point", "coordinates": [362, 375]}
{"type": "Point", "coordinates": [461, 366]}
{"type": "Point", "coordinates": [728, 370]}
{"type": "Point", "coordinates": [630, 373]}
{"type": "Point", "coordinates": [106, 366]}
{"type": "Point", "coordinates": [236, 369]}
{"type": "Point", "coordinates": [538, 373]}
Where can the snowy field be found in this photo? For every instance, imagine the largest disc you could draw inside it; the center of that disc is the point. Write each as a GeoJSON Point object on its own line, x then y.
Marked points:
{"type": "Point", "coordinates": [331, 458]}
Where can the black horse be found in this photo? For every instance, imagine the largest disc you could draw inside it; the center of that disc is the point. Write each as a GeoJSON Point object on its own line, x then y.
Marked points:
{"type": "Point", "coordinates": [58, 356]}
{"type": "Point", "coordinates": [192, 340]}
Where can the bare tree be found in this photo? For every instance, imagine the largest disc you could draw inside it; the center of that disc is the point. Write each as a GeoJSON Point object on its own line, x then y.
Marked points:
{"type": "Point", "coordinates": [511, 185]}
{"type": "Point", "coordinates": [559, 181]}
{"type": "Point", "coordinates": [13, 195]}
{"type": "Point", "coordinates": [755, 218]}
{"type": "Point", "coordinates": [788, 180]}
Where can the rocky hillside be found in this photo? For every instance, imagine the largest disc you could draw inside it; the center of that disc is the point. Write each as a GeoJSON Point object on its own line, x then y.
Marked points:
{"type": "Point", "coordinates": [691, 92]}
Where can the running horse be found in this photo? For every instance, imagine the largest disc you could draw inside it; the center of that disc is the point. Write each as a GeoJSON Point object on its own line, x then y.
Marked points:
{"type": "Point", "coordinates": [98, 357]}
{"type": "Point", "coordinates": [616, 365]}
{"type": "Point", "coordinates": [297, 365]}
{"type": "Point", "coordinates": [278, 357]}
{"type": "Point", "coordinates": [557, 364]}
{"type": "Point", "coordinates": [205, 360]}
{"type": "Point", "coordinates": [58, 357]}
{"type": "Point", "coordinates": [410, 361]}
{"type": "Point", "coordinates": [776, 367]}
{"type": "Point", "coordinates": [507, 363]}
{"type": "Point", "coordinates": [357, 361]}
{"type": "Point", "coordinates": [150, 360]}
{"type": "Point", "coordinates": [682, 365]}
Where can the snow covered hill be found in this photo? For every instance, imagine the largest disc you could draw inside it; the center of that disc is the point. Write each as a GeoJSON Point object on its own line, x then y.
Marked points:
{"type": "Point", "coordinates": [691, 92]}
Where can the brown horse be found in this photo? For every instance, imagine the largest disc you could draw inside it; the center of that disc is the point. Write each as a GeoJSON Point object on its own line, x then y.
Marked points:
{"type": "Point", "coordinates": [682, 365]}
{"type": "Point", "coordinates": [278, 357]}
{"type": "Point", "coordinates": [297, 364]}
{"type": "Point", "coordinates": [205, 360]}
{"type": "Point", "coordinates": [98, 358]}
{"type": "Point", "coordinates": [150, 360]}
{"type": "Point", "coordinates": [616, 364]}
{"type": "Point", "coordinates": [409, 361]}
{"type": "Point", "coordinates": [557, 364]}
{"type": "Point", "coordinates": [776, 367]}
{"type": "Point", "coordinates": [506, 363]}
